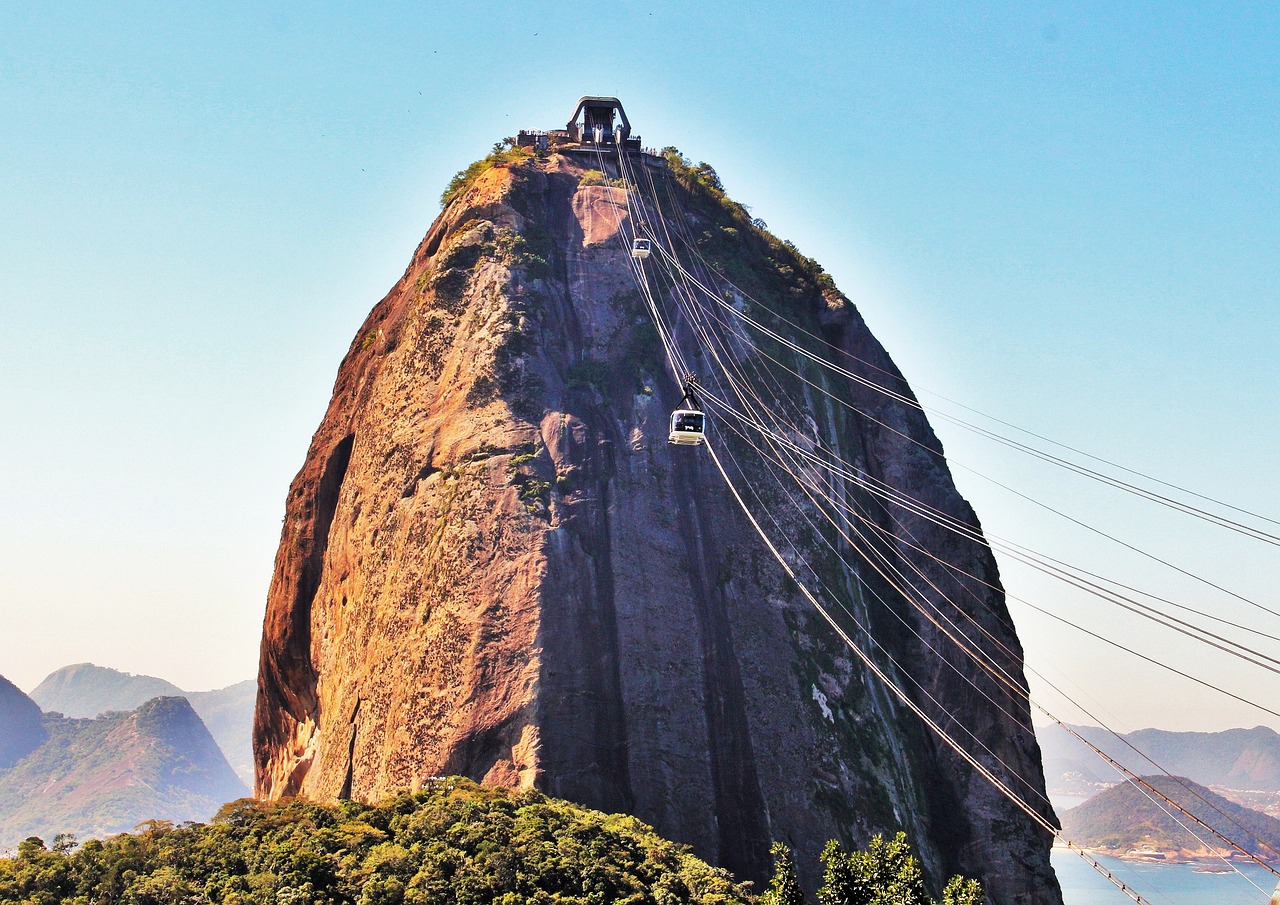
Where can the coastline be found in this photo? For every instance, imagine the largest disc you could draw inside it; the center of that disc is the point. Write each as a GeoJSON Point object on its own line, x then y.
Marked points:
{"type": "Point", "coordinates": [1207, 861]}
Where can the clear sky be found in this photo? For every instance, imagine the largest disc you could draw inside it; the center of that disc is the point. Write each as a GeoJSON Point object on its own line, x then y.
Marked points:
{"type": "Point", "coordinates": [1064, 215]}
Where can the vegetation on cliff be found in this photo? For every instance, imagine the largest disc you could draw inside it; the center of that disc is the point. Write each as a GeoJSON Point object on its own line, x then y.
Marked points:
{"type": "Point", "coordinates": [454, 842]}
{"type": "Point", "coordinates": [504, 153]}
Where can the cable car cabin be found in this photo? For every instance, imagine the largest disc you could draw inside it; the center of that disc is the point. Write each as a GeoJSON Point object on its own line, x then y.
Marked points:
{"type": "Point", "coordinates": [640, 248]}
{"type": "Point", "coordinates": [687, 427]}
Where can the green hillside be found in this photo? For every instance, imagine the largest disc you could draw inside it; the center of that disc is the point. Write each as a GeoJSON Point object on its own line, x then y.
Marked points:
{"type": "Point", "coordinates": [85, 690]}
{"type": "Point", "coordinates": [94, 777]}
{"type": "Point", "coordinates": [1124, 818]}
{"type": "Point", "coordinates": [453, 843]}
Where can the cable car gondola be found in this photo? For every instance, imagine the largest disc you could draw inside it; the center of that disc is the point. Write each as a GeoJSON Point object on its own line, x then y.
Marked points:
{"type": "Point", "coordinates": [688, 421]}
{"type": "Point", "coordinates": [640, 248]}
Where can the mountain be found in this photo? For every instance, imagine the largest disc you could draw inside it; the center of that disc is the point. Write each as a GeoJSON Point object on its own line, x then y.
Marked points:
{"type": "Point", "coordinates": [21, 731]}
{"type": "Point", "coordinates": [493, 563]}
{"type": "Point", "coordinates": [228, 713]}
{"type": "Point", "coordinates": [106, 775]}
{"type": "Point", "coordinates": [86, 690]}
{"type": "Point", "coordinates": [1237, 759]}
{"type": "Point", "coordinates": [1124, 820]}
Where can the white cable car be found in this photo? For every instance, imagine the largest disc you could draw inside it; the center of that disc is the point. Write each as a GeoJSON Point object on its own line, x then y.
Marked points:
{"type": "Point", "coordinates": [688, 427]}
{"type": "Point", "coordinates": [640, 248]}
{"type": "Point", "coordinates": [599, 134]}
{"type": "Point", "coordinates": [688, 422]}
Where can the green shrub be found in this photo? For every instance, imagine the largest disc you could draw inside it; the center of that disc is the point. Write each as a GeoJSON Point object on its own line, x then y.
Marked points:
{"type": "Point", "coordinates": [588, 373]}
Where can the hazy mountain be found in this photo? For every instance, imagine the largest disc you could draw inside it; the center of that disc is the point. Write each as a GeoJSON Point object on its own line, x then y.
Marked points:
{"type": "Point", "coordinates": [21, 731]}
{"type": "Point", "coordinates": [1233, 759]}
{"type": "Point", "coordinates": [1125, 818]}
{"type": "Point", "coordinates": [86, 690]}
{"type": "Point", "coordinates": [228, 712]}
{"type": "Point", "coordinates": [93, 777]}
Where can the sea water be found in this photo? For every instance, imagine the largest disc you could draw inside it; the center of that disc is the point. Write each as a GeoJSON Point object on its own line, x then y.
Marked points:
{"type": "Point", "coordinates": [1160, 884]}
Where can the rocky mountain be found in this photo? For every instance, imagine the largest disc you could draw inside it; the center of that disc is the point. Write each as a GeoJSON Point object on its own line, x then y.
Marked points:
{"type": "Point", "coordinates": [1126, 821]}
{"type": "Point", "coordinates": [492, 562]}
{"type": "Point", "coordinates": [21, 729]}
{"type": "Point", "coordinates": [106, 775]}
{"type": "Point", "coordinates": [85, 691]}
{"type": "Point", "coordinates": [1235, 759]}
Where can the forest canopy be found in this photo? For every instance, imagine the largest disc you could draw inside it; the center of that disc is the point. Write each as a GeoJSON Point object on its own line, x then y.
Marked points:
{"type": "Point", "coordinates": [453, 842]}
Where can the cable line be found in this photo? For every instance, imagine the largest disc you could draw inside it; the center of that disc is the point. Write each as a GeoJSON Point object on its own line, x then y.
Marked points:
{"type": "Point", "coordinates": [910, 400]}
{"type": "Point", "coordinates": [684, 288]}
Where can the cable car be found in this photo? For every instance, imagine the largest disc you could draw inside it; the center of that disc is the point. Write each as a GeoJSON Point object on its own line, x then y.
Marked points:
{"type": "Point", "coordinates": [688, 427]}
{"type": "Point", "coordinates": [688, 422]}
{"type": "Point", "coordinates": [599, 134]}
{"type": "Point", "coordinates": [640, 248]}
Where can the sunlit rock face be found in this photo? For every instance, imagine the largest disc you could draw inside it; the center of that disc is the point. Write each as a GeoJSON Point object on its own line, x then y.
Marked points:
{"type": "Point", "coordinates": [493, 563]}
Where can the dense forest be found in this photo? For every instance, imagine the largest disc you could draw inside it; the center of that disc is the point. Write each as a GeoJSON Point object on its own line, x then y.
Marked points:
{"type": "Point", "coordinates": [453, 842]}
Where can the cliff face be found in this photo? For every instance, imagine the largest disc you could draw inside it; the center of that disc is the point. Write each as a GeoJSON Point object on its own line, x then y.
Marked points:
{"type": "Point", "coordinates": [493, 564]}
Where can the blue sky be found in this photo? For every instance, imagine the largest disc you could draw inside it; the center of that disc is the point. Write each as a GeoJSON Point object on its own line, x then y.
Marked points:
{"type": "Point", "coordinates": [1061, 214]}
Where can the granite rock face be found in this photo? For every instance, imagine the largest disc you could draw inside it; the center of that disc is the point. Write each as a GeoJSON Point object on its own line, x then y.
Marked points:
{"type": "Point", "coordinates": [493, 564]}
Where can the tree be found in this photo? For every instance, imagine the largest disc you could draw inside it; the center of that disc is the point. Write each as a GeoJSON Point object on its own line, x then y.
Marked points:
{"type": "Point", "coordinates": [885, 874]}
{"type": "Point", "coordinates": [961, 891]}
{"type": "Point", "coordinates": [784, 888]}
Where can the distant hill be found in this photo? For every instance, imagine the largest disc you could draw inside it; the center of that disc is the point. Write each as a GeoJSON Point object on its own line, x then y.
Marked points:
{"type": "Point", "coordinates": [1124, 820]}
{"type": "Point", "coordinates": [1245, 759]}
{"type": "Point", "coordinates": [85, 690]}
{"type": "Point", "coordinates": [21, 729]}
{"type": "Point", "coordinates": [106, 775]}
{"type": "Point", "coordinates": [228, 712]}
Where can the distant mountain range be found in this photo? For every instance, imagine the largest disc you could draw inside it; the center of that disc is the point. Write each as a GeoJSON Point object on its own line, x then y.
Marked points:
{"type": "Point", "coordinates": [1237, 759]}
{"type": "Point", "coordinates": [1125, 821]}
{"type": "Point", "coordinates": [93, 777]}
{"type": "Point", "coordinates": [86, 691]}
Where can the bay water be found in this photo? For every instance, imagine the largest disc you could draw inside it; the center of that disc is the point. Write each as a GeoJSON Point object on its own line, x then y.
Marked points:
{"type": "Point", "coordinates": [1160, 884]}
